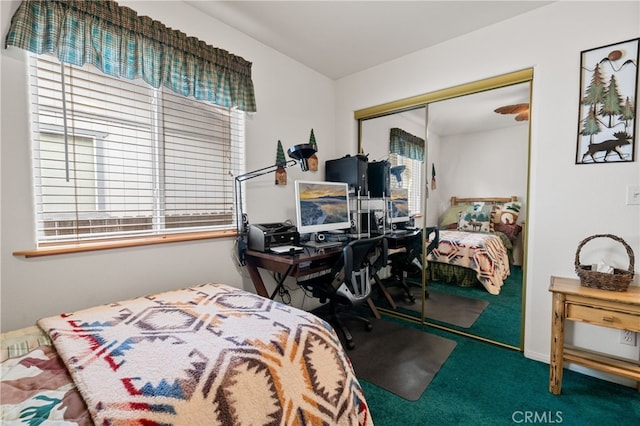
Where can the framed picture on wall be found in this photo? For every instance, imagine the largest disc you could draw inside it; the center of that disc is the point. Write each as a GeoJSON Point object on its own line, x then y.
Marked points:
{"type": "Point", "coordinates": [607, 114]}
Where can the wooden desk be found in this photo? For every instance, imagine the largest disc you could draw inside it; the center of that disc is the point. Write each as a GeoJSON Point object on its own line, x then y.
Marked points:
{"type": "Point", "coordinates": [298, 265]}
{"type": "Point", "coordinates": [618, 310]}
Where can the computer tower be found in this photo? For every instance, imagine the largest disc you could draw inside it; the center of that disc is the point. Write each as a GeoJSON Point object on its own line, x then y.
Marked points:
{"type": "Point", "coordinates": [379, 179]}
{"type": "Point", "coordinates": [368, 224]}
{"type": "Point", "coordinates": [352, 170]}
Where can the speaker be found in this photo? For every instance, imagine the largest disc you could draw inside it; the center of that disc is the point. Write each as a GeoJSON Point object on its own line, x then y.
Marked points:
{"type": "Point", "coordinates": [352, 170]}
{"type": "Point", "coordinates": [379, 179]}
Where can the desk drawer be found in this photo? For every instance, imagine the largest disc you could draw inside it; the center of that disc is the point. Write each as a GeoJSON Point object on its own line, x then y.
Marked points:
{"type": "Point", "coordinates": [604, 317]}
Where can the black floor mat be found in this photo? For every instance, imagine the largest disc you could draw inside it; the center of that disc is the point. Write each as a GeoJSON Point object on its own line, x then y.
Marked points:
{"type": "Point", "coordinates": [450, 308]}
{"type": "Point", "coordinates": [399, 359]}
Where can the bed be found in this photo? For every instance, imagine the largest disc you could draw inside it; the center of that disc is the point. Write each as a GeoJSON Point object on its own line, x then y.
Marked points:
{"type": "Point", "coordinates": [210, 354]}
{"type": "Point", "coordinates": [476, 241]}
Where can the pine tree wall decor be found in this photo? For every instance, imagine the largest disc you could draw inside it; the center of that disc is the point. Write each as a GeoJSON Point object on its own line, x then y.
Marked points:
{"type": "Point", "coordinates": [281, 162]}
{"type": "Point", "coordinates": [313, 160]}
{"type": "Point", "coordinates": [607, 119]}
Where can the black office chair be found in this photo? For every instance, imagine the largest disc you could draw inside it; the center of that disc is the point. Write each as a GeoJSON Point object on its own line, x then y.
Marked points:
{"type": "Point", "coordinates": [348, 284]}
{"type": "Point", "coordinates": [409, 261]}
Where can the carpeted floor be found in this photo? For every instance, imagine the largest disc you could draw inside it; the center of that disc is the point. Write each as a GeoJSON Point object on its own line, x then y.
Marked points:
{"type": "Point", "coordinates": [500, 320]}
{"type": "Point", "coordinates": [484, 384]}
{"type": "Point", "coordinates": [397, 358]}
{"type": "Point", "coordinates": [441, 306]}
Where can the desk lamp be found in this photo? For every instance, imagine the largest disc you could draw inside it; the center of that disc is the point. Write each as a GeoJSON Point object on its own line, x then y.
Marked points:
{"type": "Point", "coordinates": [298, 153]}
{"type": "Point", "coordinates": [397, 172]}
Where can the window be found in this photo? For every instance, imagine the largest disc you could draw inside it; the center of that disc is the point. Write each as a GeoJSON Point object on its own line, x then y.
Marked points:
{"type": "Point", "coordinates": [411, 179]}
{"type": "Point", "coordinates": [116, 158]}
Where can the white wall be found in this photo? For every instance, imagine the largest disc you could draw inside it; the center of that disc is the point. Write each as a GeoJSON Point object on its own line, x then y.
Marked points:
{"type": "Point", "coordinates": [291, 100]}
{"type": "Point", "coordinates": [493, 162]}
{"type": "Point", "coordinates": [567, 202]}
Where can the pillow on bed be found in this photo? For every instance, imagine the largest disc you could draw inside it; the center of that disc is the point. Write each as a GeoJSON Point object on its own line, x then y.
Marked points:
{"type": "Point", "coordinates": [20, 342]}
{"type": "Point", "coordinates": [507, 212]}
{"type": "Point", "coordinates": [450, 218]}
{"type": "Point", "coordinates": [511, 230]}
{"type": "Point", "coordinates": [476, 218]}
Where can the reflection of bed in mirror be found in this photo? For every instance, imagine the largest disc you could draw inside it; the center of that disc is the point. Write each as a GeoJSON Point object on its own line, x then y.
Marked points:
{"type": "Point", "coordinates": [477, 237]}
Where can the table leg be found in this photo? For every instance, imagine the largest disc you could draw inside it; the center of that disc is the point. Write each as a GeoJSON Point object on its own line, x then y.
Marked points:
{"type": "Point", "coordinates": [385, 292]}
{"type": "Point", "coordinates": [373, 308]}
{"type": "Point", "coordinates": [557, 344]}
{"type": "Point", "coordinates": [280, 283]}
{"type": "Point", "coordinates": [257, 279]}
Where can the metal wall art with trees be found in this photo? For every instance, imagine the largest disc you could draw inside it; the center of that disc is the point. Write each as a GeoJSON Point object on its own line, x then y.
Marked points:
{"type": "Point", "coordinates": [607, 115]}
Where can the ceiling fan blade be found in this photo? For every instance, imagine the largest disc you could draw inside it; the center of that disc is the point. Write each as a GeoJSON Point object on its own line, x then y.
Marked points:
{"type": "Point", "coordinates": [512, 109]}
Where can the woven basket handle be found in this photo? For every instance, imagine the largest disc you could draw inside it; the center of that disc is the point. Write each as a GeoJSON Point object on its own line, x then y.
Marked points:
{"type": "Point", "coordinates": [613, 237]}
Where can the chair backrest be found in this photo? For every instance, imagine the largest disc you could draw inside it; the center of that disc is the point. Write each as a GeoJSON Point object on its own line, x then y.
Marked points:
{"type": "Point", "coordinates": [414, 243]}
{"type": "Point", "coordinates": [357, 262]}
{"type": "Point", "coordinates": [432, 235]}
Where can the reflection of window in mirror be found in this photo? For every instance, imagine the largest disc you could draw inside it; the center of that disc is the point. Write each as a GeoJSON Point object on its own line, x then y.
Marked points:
{"type": "Point", "coordinates": [411, 178]}
{"type": "Point", "coordinates": [406, 156]}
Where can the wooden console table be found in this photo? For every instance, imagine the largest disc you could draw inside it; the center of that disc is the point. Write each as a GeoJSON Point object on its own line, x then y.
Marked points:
{"type": "Point", "coordinates": [571, 301]}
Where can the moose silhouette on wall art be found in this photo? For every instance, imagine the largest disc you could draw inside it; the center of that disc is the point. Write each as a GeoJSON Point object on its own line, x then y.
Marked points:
{"type": "Point", "coordinates": [608, 82]}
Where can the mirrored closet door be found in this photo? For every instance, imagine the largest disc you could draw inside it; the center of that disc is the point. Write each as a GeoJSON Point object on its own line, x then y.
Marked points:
{"type": "Point", "coordinates": [476, 149]}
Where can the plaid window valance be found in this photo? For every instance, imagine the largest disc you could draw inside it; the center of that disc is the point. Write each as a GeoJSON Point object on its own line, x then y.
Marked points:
{"type": "Point", "coordinates": [122, 44]}
{"type": "Point", "coordinates": [406, 144]}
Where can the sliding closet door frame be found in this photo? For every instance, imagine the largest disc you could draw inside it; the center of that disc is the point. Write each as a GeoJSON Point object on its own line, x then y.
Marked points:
{"type": "Point", "coordinates": [423, 100]}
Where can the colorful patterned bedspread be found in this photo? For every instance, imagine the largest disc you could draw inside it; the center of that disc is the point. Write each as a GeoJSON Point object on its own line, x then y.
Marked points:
{"type": "Point", "coordinates": [207, 355]}
{"type": "Point", "coordinates": [484, 253]}
{"type": "Point", "coordinates": [37, 389]}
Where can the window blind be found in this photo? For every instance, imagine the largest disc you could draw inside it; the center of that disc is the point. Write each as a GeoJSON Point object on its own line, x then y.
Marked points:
{"type": "Point", "coordinates": [411, 179]}
{"type": "Point", "coordinates": [117, 158]}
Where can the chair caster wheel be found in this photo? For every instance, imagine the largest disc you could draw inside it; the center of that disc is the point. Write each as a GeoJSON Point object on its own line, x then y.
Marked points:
{"type": "Point", "coordinates": [368, 327]}
{"type": "Point", "coordinates": [350, 345]}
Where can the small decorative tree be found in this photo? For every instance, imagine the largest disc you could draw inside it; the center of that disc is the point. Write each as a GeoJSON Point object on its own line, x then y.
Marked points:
{"type": "Point", "coordinates": [313, 160]}
{"type": "Point", "coordinates": [612, 104]}
{"type": "Point", "coordinates": [627, 113]}
{"type": "Point", "coordinates": [281, 173]}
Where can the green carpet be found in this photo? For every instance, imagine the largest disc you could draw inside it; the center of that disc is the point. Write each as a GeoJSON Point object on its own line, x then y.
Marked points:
{"type": "Point", "coordinates": [440, 306]}
{"type": "Point", "coordinates": [501, 319]}
{"type": "Point", "coordinates": [483, 384]}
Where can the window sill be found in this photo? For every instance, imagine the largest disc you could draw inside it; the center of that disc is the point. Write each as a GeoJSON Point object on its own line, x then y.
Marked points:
{"type": "Point", "coordinates": [50, 250]}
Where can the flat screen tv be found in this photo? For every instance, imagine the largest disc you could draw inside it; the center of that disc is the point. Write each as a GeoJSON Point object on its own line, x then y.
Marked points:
{"type": "Point", "coordinates": [322, 206]}
{"type": "Point", "coordinates": [399, 209]}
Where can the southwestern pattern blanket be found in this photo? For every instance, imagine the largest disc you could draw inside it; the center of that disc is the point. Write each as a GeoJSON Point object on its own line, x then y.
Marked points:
{"type": "Point", "coordinates": [482, 252]}
{"type": "Point", "coordinates": [211, 355]}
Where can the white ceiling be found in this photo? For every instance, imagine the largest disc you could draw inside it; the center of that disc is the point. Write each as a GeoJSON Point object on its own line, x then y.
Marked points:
{"type": "Point", "coordinates": [475, 112]}
{"type": "Point", "coordinates": [339, 38]}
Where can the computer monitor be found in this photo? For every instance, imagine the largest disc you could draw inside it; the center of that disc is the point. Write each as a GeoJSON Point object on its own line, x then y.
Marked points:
{"type": "Point", "coordinates": [399, 210]}
{"type": "Point", "coordinates": [322, 206]}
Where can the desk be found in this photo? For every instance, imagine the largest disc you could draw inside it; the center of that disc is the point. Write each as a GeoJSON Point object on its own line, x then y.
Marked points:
{"type": "Point", "coordinates": [297, 265]}
{"type": "Point", "coordinates": [398, 240]}
{"type": "Point", "coordinates": [574, 302]}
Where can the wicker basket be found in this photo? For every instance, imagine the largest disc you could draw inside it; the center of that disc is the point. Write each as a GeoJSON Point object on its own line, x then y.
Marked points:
{"type": "Point", "coordinates": [619, 280]}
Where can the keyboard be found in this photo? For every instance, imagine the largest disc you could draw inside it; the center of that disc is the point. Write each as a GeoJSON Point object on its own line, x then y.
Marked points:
{"type": "Point", "coordinates": [286, 249]}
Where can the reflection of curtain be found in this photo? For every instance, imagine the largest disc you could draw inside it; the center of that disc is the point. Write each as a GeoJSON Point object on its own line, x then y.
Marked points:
{"type": "Point", "coordinates": [122, 44]}
{"type": "Point", "coordinates": [406, 144]}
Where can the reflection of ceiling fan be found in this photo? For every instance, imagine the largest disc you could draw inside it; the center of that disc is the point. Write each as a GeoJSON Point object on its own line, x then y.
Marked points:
{"type": "Point", "coordinates": [521, 111]}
